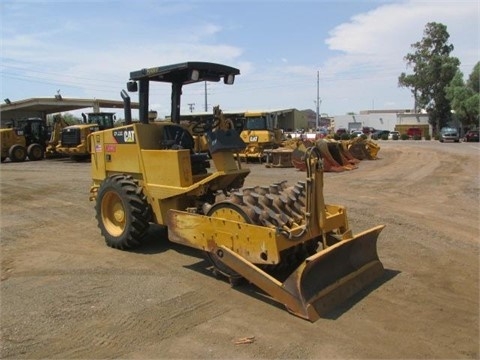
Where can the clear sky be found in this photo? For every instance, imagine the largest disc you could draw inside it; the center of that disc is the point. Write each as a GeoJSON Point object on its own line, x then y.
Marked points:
{"type": "Point", "coordinates": [87, 49]}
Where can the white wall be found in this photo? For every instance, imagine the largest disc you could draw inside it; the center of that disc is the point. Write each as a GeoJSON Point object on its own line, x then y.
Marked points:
{"type": "Point", "coordinates": [412, 119]}
{"type": "Point", "coordinates": [380, 121]}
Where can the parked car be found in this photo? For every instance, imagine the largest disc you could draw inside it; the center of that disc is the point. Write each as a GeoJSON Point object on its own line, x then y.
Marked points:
{"type": "Point", "coordinates": [357, 132]}
{"type": "Point", "coordinates": [368, 130]}
{"type": "Point", "coordinates": [471, 136]}
{"type": "Point", "coordinates": [449, 134]}
{"type": "Point", "coordinates": [341, 131]}
{"type": "Point", "coordinates": [378, 134]}
{"type": "Point", "coordinates": [394, 135]}
{"type": "Point", "coordinates": [414, 132]}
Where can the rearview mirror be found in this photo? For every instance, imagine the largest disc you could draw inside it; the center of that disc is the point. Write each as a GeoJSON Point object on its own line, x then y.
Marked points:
{"type": "Point", "coordinates": [132, 86]}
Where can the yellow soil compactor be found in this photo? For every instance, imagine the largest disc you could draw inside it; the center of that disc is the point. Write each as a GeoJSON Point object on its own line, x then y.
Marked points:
{"type": "Point", "coordinates": [282, 238]}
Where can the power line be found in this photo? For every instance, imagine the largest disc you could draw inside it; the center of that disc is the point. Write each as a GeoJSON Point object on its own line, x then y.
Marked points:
{"type": "Point", "coordinates": [52, 73]}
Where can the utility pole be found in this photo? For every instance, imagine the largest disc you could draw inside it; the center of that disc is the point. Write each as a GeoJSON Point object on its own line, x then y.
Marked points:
{"type": "Point", "coordinates": [206, 103]}
{"type": "Point", "coordinates": [191, 106]}
{"type": "Point", "coordinates": [318, 100]}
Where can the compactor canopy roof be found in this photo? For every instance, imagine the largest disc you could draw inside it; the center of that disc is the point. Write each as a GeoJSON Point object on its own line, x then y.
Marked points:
{"type": "Point", "coordinates": [182, 72]}
{"type": "Point", "coordinates": [178, 75]}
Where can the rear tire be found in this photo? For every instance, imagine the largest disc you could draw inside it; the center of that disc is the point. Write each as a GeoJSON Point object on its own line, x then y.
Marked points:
{"type": "Point", "coordinates": [122, 212]}
{"type": "Point", "coordinates": [17, 153]}
{"type": "Point", "coordinates": [35, 152]}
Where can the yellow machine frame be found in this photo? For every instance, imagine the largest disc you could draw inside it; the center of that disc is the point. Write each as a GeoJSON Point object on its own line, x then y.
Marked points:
{"type": "Point", "coordinates": [259, 140]}
{"type": "Point", "coordinates": [81, 149]}
{"type": "Point", "coordinates": [284, 239]}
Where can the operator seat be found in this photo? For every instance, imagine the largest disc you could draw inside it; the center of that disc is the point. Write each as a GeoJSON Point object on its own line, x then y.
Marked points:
{"type": "Point", "coordinates": [176, 137]}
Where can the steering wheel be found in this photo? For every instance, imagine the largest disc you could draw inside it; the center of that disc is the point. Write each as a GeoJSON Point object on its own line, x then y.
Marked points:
{"type": "Point", "coordinates": [203, 126]}
{"type": "Point", "coordinates": [176, 137]}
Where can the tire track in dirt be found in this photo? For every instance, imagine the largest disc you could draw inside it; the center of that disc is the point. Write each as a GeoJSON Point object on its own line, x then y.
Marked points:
{"type": "Point", "coordinates": [406, 179]}
{"type": "Point", "coordinates": [69, 296]}
{"type": "Point", "coordinates": [110, 336]}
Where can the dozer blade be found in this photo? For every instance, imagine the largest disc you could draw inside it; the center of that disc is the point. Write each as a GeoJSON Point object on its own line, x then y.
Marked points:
{"type": "Point", "coordinates": [331, 276]}
{"type": "Point", "coordinates": [322, 281]}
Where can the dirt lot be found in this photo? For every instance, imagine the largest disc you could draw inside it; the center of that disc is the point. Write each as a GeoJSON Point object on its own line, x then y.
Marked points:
{"type": "Point", "coordinates": [65, 294]}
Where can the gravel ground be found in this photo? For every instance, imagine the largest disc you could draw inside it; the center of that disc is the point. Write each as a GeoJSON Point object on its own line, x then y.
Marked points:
{"type": "Point", "coordinates": [66, 295]}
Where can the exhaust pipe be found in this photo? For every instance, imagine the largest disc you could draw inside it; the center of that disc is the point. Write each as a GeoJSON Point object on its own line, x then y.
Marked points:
{"type": "Point", "coordinates": [126, 107]}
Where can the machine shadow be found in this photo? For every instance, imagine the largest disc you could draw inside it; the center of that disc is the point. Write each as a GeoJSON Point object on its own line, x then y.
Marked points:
{"type": "Point", "coordinates": [334, 314]}
{"type": "Point", "coordinates": [250, 289]}
{"type": "Point", "coordinates": [156, 242]}
{"type": "Point", "coordinates": [205, 268]}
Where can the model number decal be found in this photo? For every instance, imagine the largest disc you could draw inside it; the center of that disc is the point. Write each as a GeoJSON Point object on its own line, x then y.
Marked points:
{"type": "Point", "coordinates": [124, 136]}
{"type": "Point", "coordinates": [253, 138]}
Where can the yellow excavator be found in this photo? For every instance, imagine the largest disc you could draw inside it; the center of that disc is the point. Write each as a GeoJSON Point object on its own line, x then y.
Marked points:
{"type": "Point", "coordinates": [58, 125]}
{"type": "Point", "coordinates": [282, 238]}
{"type": "Point", "coordinates": [260, 133]}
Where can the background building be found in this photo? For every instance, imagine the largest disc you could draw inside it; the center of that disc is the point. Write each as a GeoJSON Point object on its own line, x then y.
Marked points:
{"type": "Point", "coordinates": [41, 107]}
{"type": "Point", "coordinates": [399, 120]}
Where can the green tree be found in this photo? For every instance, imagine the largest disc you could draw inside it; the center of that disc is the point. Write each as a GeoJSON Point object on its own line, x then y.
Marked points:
{"type": "Point", "coordinates": [465, 97]}
{"type": "Point", "coordinates": [433, 70]}
{"type": "Point", "coordinates": [474, 78]}
{"type": "Point", "coordinates": [72, 119]}
{"type": "Point", "coordinates": [69, 119]}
